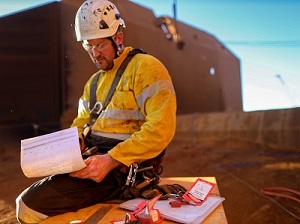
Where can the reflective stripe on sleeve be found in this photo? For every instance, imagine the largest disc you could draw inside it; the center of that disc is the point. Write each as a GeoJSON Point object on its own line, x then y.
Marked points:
{"type": "Point", "coordinates": [83, 105]}
{"type": "Point", "coordinates": [153, 89]}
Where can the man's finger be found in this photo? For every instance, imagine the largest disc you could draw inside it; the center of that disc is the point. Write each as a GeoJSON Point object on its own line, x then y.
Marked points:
{"type": "Point", "coordinates": [80, 173]}
{"type": "Point", "coordinates": [88, 160]}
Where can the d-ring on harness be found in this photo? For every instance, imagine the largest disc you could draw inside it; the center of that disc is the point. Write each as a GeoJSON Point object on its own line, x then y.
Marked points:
{"type": "Point", "coordinates": [98, 107]}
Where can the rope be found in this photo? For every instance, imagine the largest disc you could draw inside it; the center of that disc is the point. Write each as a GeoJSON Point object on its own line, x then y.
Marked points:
{"type": "Point", "coordinates": [268, 191]}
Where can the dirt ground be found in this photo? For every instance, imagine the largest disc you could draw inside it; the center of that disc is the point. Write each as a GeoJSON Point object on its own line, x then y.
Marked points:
{"type": "Point", "coordinates": [241, 170]}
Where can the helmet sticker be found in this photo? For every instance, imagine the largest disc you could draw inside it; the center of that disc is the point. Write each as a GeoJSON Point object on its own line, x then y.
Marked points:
{"type": "Point", "coordinates": [103, 25]}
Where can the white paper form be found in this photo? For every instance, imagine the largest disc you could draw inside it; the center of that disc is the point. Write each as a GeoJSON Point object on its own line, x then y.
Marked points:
{"type": "Point", "coordinates": [188, 214]}
{"type": "Point", "coordinates": [54, 153]}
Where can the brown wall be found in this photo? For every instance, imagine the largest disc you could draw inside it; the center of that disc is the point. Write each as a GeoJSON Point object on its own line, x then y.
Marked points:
{"type": "Point", "coordinates": [30, 66]}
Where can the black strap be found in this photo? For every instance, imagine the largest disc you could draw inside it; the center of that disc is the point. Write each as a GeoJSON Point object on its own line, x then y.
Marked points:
{"type": "Point", "coordinates": [93, 90]}
{"type": "Point", "coordinates": [116, 80]}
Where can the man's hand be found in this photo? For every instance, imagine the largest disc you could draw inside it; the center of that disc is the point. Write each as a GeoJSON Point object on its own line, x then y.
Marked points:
{"type": "Point", "coordinates": [97, 167]}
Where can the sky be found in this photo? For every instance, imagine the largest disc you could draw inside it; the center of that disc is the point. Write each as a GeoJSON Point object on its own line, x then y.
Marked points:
{"type": "Point", "coordinates": [263, 34]}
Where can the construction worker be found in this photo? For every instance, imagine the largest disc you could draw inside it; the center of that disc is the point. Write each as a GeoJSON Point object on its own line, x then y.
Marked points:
{"type": "Point", "coordinates": [135, 126]}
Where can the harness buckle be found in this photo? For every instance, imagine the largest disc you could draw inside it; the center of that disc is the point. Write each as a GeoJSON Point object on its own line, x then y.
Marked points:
{"type": "Point", "coordinates": [131, 178]}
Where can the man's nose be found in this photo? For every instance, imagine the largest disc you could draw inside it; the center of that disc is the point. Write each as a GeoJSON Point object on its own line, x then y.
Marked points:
{"type": "Point", "coordinates": [95, 52]}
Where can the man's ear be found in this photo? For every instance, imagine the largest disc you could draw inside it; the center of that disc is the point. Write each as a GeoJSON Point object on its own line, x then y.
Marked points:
{"type": "Point", "coordinates": [119, 38]}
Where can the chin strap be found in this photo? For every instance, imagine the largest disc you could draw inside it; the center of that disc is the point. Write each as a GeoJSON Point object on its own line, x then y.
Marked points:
{"type": "Point", "coordinates": [117, 48]}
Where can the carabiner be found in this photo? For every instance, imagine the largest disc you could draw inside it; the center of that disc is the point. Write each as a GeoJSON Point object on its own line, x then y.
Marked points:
{"type": "Point", "coordinates": [97, 108]}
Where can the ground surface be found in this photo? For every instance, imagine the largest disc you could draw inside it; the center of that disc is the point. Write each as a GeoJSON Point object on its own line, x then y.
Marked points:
{"type": "Point", "coordinates": [241, 170]}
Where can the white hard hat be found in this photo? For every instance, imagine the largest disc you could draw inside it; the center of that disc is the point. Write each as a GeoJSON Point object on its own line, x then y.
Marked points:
{"type": "Point", "coordinates": [97, 19]}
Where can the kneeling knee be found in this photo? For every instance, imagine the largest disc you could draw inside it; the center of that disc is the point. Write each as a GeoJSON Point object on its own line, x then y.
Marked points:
{"type": "Point", "coordinates": [26, 215]}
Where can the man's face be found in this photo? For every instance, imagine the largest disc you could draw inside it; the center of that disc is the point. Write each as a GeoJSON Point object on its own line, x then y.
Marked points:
{"type": "Point", "coordinates": [101, 52]}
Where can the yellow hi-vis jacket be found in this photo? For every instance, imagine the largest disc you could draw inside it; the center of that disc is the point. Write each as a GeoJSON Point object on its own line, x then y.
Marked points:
{"type": "Point", "coordinates": [142, 110]}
